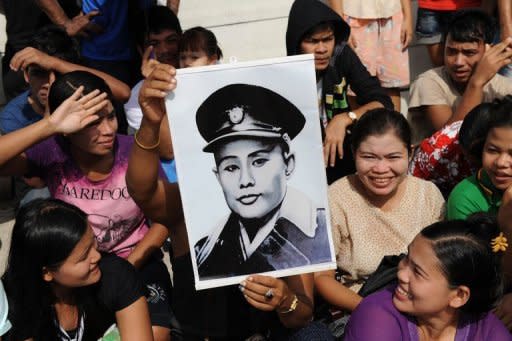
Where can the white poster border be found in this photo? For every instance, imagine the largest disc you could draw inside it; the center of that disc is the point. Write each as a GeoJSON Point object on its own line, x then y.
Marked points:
{"type": "Point", "coordinates": [211, 283]}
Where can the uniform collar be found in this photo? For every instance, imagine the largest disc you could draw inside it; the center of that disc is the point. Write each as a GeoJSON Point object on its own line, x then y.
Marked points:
{"type": "Point", "coordinates": [300, 211]}
{"type": "Point", "coordinates": [296, 208]}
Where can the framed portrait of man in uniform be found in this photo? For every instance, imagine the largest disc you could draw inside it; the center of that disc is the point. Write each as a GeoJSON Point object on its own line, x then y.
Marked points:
{"type": "Point", "coordinates": [248, 150]}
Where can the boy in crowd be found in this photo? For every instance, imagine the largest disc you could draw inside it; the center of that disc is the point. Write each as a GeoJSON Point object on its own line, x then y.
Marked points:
{"type": "Point", "coordinates": [441, 97]}
{"type": "Point", "coordinates": [24, 18]}
{"type": "Point", "coordinates": [446, 94]}
{"type": "Point", "coordinates": [160, 45]}
{"type": "Point", "coordinates": [52, 51]}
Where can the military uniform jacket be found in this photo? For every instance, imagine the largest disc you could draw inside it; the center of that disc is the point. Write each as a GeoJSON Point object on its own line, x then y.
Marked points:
{"type": "Point", "coordinates": [299, 238]}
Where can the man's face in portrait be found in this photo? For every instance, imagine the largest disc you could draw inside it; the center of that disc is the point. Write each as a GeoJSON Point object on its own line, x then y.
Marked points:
{"type": "Point", "coordinates": [253, 174]}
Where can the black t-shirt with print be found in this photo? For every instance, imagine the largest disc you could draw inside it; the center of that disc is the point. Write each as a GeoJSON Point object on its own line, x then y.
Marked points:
{"type": "Point", "coordinates": [118, 288]}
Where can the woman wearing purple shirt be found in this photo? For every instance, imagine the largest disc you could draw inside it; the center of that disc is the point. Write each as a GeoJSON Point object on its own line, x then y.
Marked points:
{"type": "Point", "coordinates": [447, 285]}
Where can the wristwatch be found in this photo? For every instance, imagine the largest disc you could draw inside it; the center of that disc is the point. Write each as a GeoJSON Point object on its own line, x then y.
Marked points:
{"type": "Point", "coordinates": [352, 115]}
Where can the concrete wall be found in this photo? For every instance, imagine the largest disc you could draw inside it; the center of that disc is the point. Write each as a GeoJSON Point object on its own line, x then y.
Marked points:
{"type": "Point", "coordinates": [245, 29]}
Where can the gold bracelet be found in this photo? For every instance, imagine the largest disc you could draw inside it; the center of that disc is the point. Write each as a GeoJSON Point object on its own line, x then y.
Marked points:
{"type": "Point", "coordinates": [293, 306]}
{"type": "Point", "coordinates": [146, 147]}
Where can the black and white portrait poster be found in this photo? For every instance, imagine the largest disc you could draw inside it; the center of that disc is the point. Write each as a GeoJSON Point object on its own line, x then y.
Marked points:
{"type": "Point", "coordinates": [248, 150]}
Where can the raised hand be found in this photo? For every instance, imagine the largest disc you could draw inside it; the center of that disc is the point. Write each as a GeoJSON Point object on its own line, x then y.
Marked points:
{"type": "Point", "coordinates": [30, 55]}
{"type": "Point", "coordinates": [153, 91]}
{"type": "Point", "coordinates": [77, 111]}
{"type": "Point", "coordinates": [148, 62]}
{"type": "Point", "coordinates": [494, 59]}
{"type": "Point", "coordinates": [81, 25]}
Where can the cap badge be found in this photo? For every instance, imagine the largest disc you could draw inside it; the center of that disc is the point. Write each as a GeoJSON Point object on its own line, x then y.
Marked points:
{"type": "Point", "coordinates": [286, 138]}
{"type": "Point", "coordinates": [236, 115]}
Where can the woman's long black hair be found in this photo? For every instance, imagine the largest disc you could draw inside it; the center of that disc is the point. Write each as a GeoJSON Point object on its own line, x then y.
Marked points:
{"type": "Point", "coordinates": [44, 235]}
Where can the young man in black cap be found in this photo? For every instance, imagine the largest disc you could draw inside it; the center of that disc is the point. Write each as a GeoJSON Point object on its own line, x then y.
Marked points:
{"type": "Point", "coordinates": [315, 28]}
{"type": "Point", "coordinates": [271, 226]}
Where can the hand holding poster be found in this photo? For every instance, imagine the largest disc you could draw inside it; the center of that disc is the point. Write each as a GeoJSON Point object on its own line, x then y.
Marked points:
{"type": "Point", "coordinates": [248, 151]}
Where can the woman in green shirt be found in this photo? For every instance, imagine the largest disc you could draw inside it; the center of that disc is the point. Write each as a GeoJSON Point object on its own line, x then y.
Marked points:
{"type": "Point", "coordinates": [483, 191]}
{"type": "Point", "coordinates": [490, 190]}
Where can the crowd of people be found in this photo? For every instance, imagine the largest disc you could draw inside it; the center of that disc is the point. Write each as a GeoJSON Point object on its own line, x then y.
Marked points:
{"type": "Point", "coordinates": [420, 206]}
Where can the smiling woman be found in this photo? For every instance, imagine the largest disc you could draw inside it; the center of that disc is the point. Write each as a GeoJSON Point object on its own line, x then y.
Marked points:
{"type": "Point", "coordinates": [59, 286]}
{"type": "Point", "coordinates": [447, 285]}
{"type": "Point", "coordinates": [484, 191]}
{"type": "Point", "coordinates": [377, 211]}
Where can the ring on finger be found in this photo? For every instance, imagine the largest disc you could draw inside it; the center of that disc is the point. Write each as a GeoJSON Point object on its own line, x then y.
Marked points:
{"type": "Point", "coordinates": [269, 294]}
